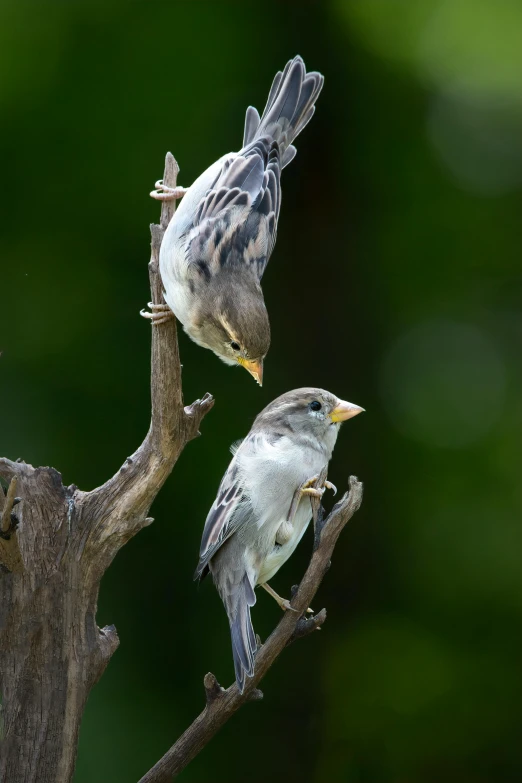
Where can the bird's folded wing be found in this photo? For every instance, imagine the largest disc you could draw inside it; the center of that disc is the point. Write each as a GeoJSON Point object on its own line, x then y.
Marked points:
{"type": "Point", "coordinates": [235, 222]}
{"type": "Point", "coordinates": [231, 509]}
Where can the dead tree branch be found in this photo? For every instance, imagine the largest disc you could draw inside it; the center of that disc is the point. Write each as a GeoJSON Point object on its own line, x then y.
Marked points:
{"type": "Point", "coordinates": [122, 503]}
{"type": "Point", "coordinates": [222, 704]}
{"type": "Point", "coordinates": [54, 549]}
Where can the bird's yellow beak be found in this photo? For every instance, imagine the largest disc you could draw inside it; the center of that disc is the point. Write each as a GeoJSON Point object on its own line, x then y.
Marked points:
{"type": "Point", "coordinates": [344, 410]}
{"type": "Point", "coordinates": [255, 368]}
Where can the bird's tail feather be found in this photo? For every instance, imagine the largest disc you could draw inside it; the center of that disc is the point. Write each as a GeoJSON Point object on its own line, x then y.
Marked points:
{"type": "Point", "coordinates": [289, 108]}
{"type": "Point", "coordinates": [244, 645]}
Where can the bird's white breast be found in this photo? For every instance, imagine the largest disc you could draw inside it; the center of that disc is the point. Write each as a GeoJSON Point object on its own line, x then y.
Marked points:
{"type": "Point", "coordinates": [272, 473]}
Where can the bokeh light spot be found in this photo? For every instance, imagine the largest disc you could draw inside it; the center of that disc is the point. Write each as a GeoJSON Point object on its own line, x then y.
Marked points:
{"type": "Point", "coordinates": [479, 139]}
{"type": "Point", "coordinates": [474, 44]}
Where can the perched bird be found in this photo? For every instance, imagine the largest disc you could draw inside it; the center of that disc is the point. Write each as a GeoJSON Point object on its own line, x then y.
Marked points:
{"type": "Point", "coordinates": [262, 506]}
{"type": "Point", "coordinates": [218, 243]}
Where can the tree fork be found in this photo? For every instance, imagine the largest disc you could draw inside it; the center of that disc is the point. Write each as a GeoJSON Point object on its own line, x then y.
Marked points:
{"type": "Point", "coordinates": [56, 543]}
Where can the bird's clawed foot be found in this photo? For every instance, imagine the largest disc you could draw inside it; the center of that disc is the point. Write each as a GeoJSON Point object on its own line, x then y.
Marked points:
{"type": "Point", "coordinates": [308, 489]}
{"type": "Point", "coordinates": [283, 603]}
{"type": "Point", "coordinates": [161, 313]}
{"type": "Point", "coordinates": [164, 193]}
{"type": "Point", "coordinates": [329, 485]}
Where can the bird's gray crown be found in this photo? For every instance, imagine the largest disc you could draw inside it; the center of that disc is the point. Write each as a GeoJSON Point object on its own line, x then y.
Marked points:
{"type": "Point", "coordinates": [303, 416]}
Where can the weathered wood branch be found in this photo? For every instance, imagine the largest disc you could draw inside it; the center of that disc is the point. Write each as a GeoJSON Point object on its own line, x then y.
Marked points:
{"type": "Point", "coordinates": [121, 504]}
{"type": "Point", "coordinates": [222, 704]}
{"type": "Point", "coordinates": [53, 555]}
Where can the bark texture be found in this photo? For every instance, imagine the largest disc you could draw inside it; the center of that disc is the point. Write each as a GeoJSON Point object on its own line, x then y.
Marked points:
{"type": "Point", "coordinates": [56, 543]}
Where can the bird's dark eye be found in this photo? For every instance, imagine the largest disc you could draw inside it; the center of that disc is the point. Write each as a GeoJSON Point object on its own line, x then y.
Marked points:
{"type": "Point", "coordinates": [315, 406]}
{"type": "Point", "coordinates": [235, 346]}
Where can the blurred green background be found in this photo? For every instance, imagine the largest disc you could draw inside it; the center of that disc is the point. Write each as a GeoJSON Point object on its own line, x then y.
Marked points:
{"type": "Point", "coordinates": [396, 283]}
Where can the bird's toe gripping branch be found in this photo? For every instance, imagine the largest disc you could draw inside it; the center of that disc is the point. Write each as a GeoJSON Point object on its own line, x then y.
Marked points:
{"type": "Point", "coordinates": [162, 192]}
{"type": "Point", "coordinates": [160, 314]}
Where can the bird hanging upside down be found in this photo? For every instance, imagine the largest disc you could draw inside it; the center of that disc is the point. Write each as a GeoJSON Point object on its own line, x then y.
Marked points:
{"type": "Point", "coordinates": [263, 505]}
{"type": "Point", "coordinates": [218, 243]}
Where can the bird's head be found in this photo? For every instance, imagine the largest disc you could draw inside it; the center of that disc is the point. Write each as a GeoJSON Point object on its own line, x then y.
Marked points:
{"type": "Point", "coordinates": [310, 415]}
{"type": "Point", "coordinates": [234, 325]}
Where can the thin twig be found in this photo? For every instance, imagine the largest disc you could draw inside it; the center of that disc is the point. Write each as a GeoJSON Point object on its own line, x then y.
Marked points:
{"type": "Point", "coordinates": [222, 704]}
